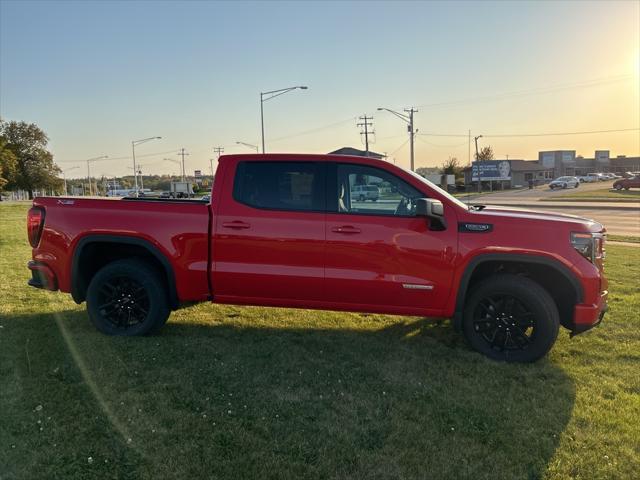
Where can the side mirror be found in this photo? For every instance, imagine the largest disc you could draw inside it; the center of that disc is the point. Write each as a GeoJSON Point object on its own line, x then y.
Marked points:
{"type": "Point", "coordinates": [433, 210]}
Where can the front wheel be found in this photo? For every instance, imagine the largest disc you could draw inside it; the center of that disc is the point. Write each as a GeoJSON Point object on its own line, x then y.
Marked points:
{"type": "Point", "coordinates": [510, 318]}
{"type": "Point", "coordinates": [127, 298]}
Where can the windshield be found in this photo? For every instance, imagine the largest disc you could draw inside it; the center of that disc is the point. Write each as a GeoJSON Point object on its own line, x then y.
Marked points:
{"type": "Point", "coordinates": [449, 197]}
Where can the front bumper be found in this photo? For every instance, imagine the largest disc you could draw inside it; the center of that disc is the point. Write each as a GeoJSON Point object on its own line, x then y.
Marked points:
{"type": "Point", "coordinates": [585, 317]}
{"type": "Point", "coordinates": [42, 276]}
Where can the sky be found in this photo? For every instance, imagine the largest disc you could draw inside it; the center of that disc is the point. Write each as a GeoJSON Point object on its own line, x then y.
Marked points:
{"type": "Point", "coordinates": [96, 75]}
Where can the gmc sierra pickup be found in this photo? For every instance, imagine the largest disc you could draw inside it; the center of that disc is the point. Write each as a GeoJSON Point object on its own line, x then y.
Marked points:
{"type": "Point", "coordinates": [289, 230]}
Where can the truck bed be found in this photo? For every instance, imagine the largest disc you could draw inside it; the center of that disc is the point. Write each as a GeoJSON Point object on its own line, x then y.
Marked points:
{"type": "Point", "coordinates": [176, 228]}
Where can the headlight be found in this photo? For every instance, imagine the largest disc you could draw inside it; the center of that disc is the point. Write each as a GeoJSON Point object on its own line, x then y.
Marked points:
{"type": "Point", "coordinates": [583, 243]}
{"type": "Point", "coordinates": [589, 245]}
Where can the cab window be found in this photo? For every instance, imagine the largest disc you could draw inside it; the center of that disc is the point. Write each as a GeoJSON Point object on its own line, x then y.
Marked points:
{"type": "Point", "coordinates": [294, 186]}
{"type": "Point", "coordinates": [368, 190]}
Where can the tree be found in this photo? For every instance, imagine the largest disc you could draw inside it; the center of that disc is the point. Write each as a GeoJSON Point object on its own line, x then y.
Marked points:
{"type": "Point", "coordinates": [452, 167]}
{"type": "Point", "coordinates": [7, 164]}
{"type": "Point", "coordinates": [34, 167]}
{"type": "Point", "coordinates": [486, 153]}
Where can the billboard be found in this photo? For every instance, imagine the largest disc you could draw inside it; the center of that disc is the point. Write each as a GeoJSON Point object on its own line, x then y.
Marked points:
{"type": "Point", "coordinates": [486, 170]}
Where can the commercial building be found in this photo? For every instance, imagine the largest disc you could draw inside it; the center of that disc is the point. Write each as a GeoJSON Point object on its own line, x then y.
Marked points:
{"type": "Point", "coordinates": [565, 162]}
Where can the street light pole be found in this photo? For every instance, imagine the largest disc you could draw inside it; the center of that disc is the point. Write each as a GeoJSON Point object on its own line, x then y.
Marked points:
{"type": "Point", "coordinates": [133, 154]}
{"type": "Point", "coordinates": [249, 145]}
{"type": "Point", "coordinates": [89, 160]}
{"type": "Point", "coordinates": [270, 95]}
{"type": "Point", "coordinates": [412, 132]}
{"type": "Point", "coordinates": [65, 178]}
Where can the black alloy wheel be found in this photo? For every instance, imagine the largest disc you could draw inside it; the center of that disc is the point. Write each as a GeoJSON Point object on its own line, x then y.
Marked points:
{"type": "Point", "coordinates": [123, 302]}
{"type": "Point", "coordinates": [128, 297]}
{"type": "Point", "coordinates": [510, 318]}
{"type": "Point", "coordinates": [504, 322]}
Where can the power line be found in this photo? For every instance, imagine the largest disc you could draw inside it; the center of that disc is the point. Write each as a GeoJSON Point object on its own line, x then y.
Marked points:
{"type": "Point", "coordinates": [547, 134]}
{"type": "Point", "coordinates": [314, 130]}
{"type": "Point", "coordinates": [119, 158]}
{"type": "Point", "coordinates": [442, 146]}
{"type": "Point", "coordinates": [534, 91]}
{"type": "Point", "coordinates": [399, 148]}
{"type": "Point", "coordinates": [562, 133]}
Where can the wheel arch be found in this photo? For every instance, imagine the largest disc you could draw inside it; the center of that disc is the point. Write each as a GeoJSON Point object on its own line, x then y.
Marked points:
{"type": "Point", "coordinates": [544, 270]}
{"type": "Point", "coordinates": [115, 247]}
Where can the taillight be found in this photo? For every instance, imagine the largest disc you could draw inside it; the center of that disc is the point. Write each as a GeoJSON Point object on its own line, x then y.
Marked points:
{"type": "Point", "coordinates": [35, 222]}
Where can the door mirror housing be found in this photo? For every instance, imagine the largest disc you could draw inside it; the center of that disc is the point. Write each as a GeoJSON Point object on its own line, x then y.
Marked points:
{"type": "Point", "coordinates": [433, 210]}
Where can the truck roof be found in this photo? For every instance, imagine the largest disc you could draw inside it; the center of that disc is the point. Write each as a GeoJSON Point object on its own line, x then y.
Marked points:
{"type": "Point", "coordinates": [302, 157]}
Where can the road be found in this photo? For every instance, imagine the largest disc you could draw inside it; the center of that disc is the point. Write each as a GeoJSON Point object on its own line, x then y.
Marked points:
{"type": "Point", "coordinates": [540, 192]}
{"type": "Point", "coordinates": [618, 221]}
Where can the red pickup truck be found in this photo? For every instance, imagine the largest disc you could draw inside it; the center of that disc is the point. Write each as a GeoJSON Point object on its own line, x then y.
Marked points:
{"type": "Point", "coordinates": [288, 230]}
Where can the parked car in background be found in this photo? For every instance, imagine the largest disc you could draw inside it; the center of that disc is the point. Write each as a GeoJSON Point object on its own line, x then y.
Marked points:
{"type": "Point", "coordinates": [365, 192]}
{"type": "Point", "coordinates": [564, 182]}
{"type": "Point", "coordinates": [627, 183]}
{"type": "Point", "coordinates": [593, 177]}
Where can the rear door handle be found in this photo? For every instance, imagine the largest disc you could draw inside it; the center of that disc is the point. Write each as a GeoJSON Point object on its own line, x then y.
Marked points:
{"type": "Point", "coordinates": [347, 229]}
{"type": "Point", "coordinates": [236, 224]}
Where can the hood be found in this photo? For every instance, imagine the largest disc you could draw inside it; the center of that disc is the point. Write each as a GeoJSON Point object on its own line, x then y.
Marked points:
{"type": "Point", "coordinates": [536, 215]}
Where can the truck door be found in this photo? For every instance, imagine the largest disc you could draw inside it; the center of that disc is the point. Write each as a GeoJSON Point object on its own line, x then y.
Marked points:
{"type": "Point", "coordinates": [269, 234]}
{"type": "Point", "coordinates": [379, 255]}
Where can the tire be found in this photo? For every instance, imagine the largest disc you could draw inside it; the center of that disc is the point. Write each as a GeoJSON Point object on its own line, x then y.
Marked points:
{"type": "Point", "coordinates": [136, 297]}
{"type": "Point", "coordinates": [564, 185]}
{"type": "Point", "coordinates": [362, 199]}
{"type": "Point", "coordinates": [577, 185]}
{"type": "Point", "coordinates": [507, 303]}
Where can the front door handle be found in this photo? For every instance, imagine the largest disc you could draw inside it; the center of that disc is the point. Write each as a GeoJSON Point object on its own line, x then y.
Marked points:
{"type": "Point", "coordinates": [346, 229]}
{"type": "Point", "coordinates": [236, 224]}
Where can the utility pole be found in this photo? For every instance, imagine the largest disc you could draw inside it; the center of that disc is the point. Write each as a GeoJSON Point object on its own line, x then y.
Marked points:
{"type": "Point", "coordinates": [478, 164]}
{"type": "Point", "coordinates": [412, 134]}
{"type": "Point", "coordinates": [182, 153]}
{"type": "Point", "coordinates": [89, 175]}
{"type": "Point", "coordinates": [218, 151]}
{"type": "Point", "coordinates": [365, 124]}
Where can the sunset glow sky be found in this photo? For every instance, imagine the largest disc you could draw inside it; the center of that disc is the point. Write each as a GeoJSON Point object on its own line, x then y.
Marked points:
{"type": "Point", "coordinates": [96, 75]}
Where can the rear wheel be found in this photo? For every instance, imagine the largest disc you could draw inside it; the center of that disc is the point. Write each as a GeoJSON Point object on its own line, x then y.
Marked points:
{"type": "Point", "coordinates": [127, 297]}
{"type": "Point", "coordinates": [511, 318]}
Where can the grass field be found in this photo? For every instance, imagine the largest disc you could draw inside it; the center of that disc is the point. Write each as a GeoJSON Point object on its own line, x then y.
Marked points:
{"type": "Point", "coordinates": [623, 238]}
{"type": "Point", "coordinates": [601, 195]}
{"type": "Point", "coordinates": [242, 393]}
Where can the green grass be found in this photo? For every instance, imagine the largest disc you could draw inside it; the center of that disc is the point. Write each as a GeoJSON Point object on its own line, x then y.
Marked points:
{"type": "Point", "coordinates": [601, 195]}
{"type": "Point", "coordinates": [240, 393]}
{"type": "Point", "coordinates": [623, 238]}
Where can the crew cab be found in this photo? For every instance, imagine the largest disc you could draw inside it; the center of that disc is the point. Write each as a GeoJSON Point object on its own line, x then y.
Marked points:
{"type": "Point", "coordinates": [285, 230]}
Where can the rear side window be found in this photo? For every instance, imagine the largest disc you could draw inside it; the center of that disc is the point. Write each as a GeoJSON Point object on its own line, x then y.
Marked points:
{"type": "Point", "coordinates": [296, 186]}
